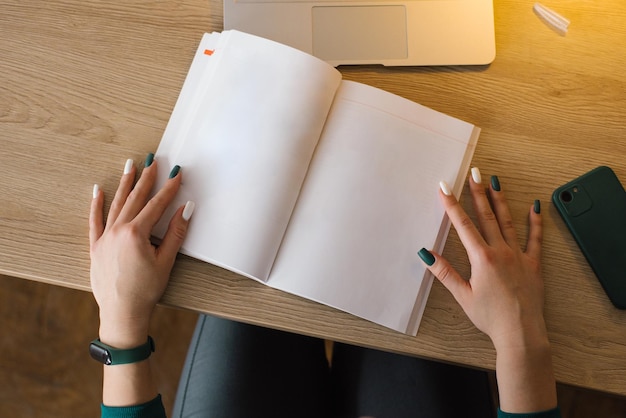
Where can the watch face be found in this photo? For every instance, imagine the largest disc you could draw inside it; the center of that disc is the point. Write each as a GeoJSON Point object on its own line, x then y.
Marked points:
{"type": "Point", "coordinates": [100, 354]}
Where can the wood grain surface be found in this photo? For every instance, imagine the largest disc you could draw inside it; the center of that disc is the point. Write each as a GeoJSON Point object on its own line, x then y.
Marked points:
{"type": "Point", "coordinates": [86, 85]}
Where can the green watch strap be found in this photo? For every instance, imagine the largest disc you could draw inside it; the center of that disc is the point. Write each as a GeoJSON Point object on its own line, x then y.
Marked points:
{"type": "Point", "coordinates": [111, 356]}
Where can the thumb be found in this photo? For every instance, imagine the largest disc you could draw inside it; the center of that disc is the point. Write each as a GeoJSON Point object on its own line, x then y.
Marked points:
{"type": "Point", "coordinates": [176, 232]}
{"type": "Point", "coordinates": [446, 274]}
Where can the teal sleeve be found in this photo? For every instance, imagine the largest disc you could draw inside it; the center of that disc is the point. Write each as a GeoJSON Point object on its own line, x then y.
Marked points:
{"type": "Point", "coordinates": [552, 413]}
{"type": "Point", "coordinates": [152, 409]}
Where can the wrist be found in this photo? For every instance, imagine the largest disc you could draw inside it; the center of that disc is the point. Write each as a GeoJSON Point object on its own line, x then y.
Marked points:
{"type": "Point", "coordinates": [109, 355]}
{"type": "Point", "coordinates": [524, 337]}
{"type": "Point", "coordinates": [123, 333]}
{"type": "Point", "coordinates": [525, 355]}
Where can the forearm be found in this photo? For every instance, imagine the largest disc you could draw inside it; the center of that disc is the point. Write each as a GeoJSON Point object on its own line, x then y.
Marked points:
{"type": "Point", "coordinates": [525, 378]}
{"type": "Point", "coordinates": [126, 384]}
{"type": "Point", "coordinates": [129, 390]}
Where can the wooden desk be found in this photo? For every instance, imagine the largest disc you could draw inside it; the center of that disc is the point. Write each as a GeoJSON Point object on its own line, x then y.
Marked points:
{"type": "Point", "coordinates": [87, 84]}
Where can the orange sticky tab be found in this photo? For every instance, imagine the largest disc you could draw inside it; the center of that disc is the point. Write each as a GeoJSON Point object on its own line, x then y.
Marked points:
{"type": "Point", "coordinates": [208, 52]}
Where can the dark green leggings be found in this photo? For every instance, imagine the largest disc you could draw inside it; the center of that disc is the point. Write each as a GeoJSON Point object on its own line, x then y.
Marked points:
{"type": "Point", "coordinates": [237, 370]}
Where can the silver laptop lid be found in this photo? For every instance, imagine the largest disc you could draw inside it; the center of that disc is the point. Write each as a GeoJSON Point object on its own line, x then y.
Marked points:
{"type": "Point", "coordinates": [409, 32]}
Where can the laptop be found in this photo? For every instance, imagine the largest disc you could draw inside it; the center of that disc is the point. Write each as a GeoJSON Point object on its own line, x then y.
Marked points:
{"type": "Point", "coordinates": [387, 32]}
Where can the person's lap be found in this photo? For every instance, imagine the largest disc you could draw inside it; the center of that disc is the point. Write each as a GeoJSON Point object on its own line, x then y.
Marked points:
{"type": "Point", "coordinates": [383, 385]}
{"type": "Point", "coordinates": [238, 370]}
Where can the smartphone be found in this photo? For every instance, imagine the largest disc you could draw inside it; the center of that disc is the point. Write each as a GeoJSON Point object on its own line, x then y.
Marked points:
{"type": "Point", "coordinates": [594, 208]}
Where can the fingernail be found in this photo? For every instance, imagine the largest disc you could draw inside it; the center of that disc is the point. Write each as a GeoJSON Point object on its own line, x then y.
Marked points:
{"type": "Point", "coordinates": [149, 159]}
{"type": "Point", "coordinates": [128, 166]}
{"type": "Point", "coordinates": [445, 188]}
{"type": "Point", "coordinates": [96, 190]}
{"type": "Point", "coordinates": [426, 256]}
{"type": "Point", "coordinates": [495, 183]}
{"type": "Point", "coordinates": [537, 206]}
{"type": "Point", "coordinates": [476, 175]}
{"type": "Point", "coordinates": [188, 211]}
{"type": "Point", "coordinates": [174, 171]}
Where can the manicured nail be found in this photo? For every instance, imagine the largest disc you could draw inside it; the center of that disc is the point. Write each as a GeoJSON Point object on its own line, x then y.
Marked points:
{"type": "Point", "coordinates": [188, 211]}
{"type": "Point", "coordinates": [128, 166]}
{"type": "Point", "coordinates": [537, 206]}
{"type": "Point", "coordinates": [149, 159]}
{"type": "Point", "coordinates": [174, 171]}
{"type": "Point", "coordinates": [96, 190]}
{"type": "Point", "coordinates": [445, 188]}
{"type": "Point", "coordinates": [495, 183]}
{"type": "Point", "coordinates": [426, 256]}
{"type": "Point", "coordinates": [476, 175]}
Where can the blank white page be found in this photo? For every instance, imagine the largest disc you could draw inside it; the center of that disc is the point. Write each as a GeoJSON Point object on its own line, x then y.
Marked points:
{"type": "Point", "coordinates": [244, 130]}
{"type": "Point", "coordinates": [369, 203]}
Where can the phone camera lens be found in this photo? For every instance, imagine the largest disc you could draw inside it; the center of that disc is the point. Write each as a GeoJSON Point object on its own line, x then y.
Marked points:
{"type": "Point", "coordinates": [566, 197]}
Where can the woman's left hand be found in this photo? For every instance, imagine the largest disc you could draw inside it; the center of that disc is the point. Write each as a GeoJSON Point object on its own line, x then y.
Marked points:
{"type": "Point", "coordinates": [129, 274]}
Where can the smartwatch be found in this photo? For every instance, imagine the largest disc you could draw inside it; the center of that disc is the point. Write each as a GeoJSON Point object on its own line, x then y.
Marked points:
{"type": "Point", "coordinates": [111, 356]}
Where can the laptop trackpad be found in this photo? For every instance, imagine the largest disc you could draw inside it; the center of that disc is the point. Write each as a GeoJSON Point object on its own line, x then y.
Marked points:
{"type": "Point", "coordinates": [359, 32]}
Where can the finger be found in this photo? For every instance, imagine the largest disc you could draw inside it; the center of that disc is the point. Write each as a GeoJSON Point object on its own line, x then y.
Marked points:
{"type": "Point", "coordinates": [124, 188]}
{"type": "Point", "coordinates": [469, 235]}
{"type": "Point", "coordinates": [154, 209]}
{"type": "Point", "coordinates": [486, 218]}
{"type": "Point", "coordinates": [447, 275]}
{"type": "Point", "coordinates": [176, 233]}
{"type": "Point", "coordinates": [535, 234]}
{"type": "Point", "coordinates": [137, 198]}
{"type": "Point", "coordinates": [503, 214]}
{"type": "Point", "coordinates": [96, 217]}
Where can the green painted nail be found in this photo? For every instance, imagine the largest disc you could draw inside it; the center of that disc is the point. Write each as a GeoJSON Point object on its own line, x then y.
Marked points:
{"type": "Point", "coordinates": [149, 160]}
{"type": "Point", "coordinates": [174, 171]}
{"type": "Point", "coordinates": [537, 206]}
{"type": "Point", "coordinates": [495, 183]}
{"type": "Point", "coordinates": [426, 256]}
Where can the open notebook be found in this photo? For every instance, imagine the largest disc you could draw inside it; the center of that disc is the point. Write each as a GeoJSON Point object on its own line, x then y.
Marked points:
{"type": "Point", "coordinates": [316, 186]}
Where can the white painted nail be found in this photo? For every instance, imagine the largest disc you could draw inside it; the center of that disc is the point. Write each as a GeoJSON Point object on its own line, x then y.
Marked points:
{"type": "Point", "coordinates": [445, 188]}
{"type": "Point", "coordinates": [476, 175]}
{"type": "Point", "coordinates": [188, 211]}
{"type": "Point", "coordinates": [96, 190]}
{"type": "Point", "coordinates": [128, 166]}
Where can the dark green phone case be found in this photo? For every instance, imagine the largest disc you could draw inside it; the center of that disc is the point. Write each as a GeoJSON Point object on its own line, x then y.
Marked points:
{"type": "Point", "coordinates": [594, 208]}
